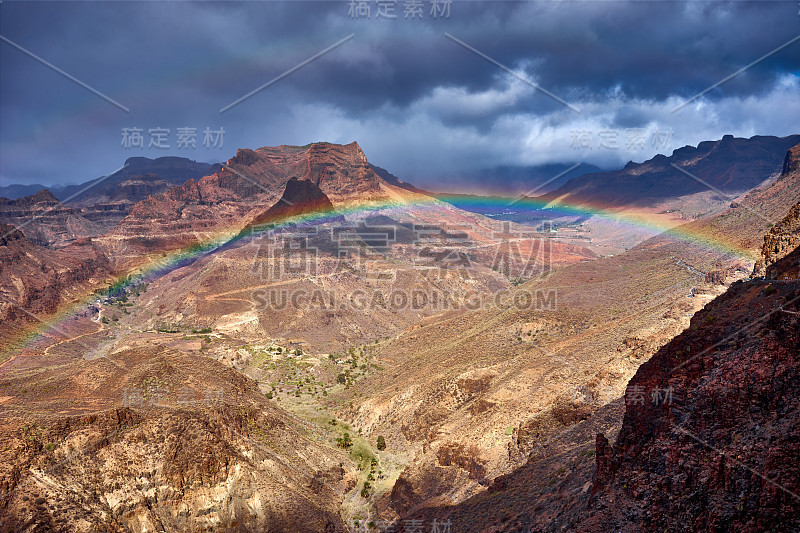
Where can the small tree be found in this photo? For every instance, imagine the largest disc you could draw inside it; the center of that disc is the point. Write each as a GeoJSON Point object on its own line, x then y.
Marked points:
{"type": "Point", "coordinates": [381, 443]}
{"type": "Point", "coordinates": [344, 442]}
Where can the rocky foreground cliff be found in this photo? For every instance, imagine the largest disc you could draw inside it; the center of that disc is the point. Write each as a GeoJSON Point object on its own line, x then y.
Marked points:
{"type": "Point", "coordinates": [720, 451]}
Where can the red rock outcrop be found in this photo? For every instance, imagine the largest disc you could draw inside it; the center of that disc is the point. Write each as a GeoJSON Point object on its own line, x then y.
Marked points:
{"type": "Point", "coordinates": [711, 435]}
{"type": "Point", "coordinates": [249, 184]}
{"type": "Point", "coordinates": [781, 239]}
{"type": "Point", "coordinates": [300, 197]}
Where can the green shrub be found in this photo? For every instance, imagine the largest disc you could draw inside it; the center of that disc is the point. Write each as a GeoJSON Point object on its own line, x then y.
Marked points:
{"type": "Point", "coordinates": [381, 443]}
{"type": "Point", "coordinates": [361, 453]}
{"type": "Point", "coordinates": [344, 442]}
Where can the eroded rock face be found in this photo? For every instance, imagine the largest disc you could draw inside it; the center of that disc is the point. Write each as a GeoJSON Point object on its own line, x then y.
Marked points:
{"type": "Point", "coordinates": [39, 280]}
{"type": "Point", "coordinates": [784, 236]}
{"type": "Point", "coordinates": [45, 221]}
{"type": "Point", "coordinates": [96, 206]}
{"type": "Point", "coordinates": [723, 452]}
{"type": "Point", "coordinates": [230, 461]}
{"type": "Point", "coordinates": [243, 189]}
{"type": "Point", "coordinates": [791, 163]}
{"type": "Point", "coordinates": [300, 197]}
{"type": "Point", "coordinates": [782, 239]}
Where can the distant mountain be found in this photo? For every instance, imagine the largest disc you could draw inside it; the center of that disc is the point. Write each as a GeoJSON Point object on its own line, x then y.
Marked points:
{"type": "Point", "coordinates": [143, 176]}
{"type": "Point", "coordinates": [394, 180]}
{"type": "Point", "coordinates": [730, 165]}
{"type": "Point", "coordinates": [96, 206]}
{"type": "Point", "coordinates": [500, 183]}
{"type": "Point", "coordinates": [46, 221]}
{"type": "Point", "coordinates": [246, 186]}
{"type": "Point", "coordinates": [15, 191]}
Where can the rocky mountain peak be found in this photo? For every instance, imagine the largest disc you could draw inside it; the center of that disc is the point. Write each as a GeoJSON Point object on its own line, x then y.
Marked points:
{"type": "Point", "coordinates": [42, 197]}
{"type": "Point", "coordinates": [730, 164]}
{"type": "Point", "coordinates": [300, 197]}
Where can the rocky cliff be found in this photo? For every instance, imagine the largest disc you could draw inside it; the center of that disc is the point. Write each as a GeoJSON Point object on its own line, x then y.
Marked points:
{"type": "Point", "coordinates": [35, 281]}
{"type": "Point", "coordinates": [781, 239]}
{"type": "Point", "coordinates": [45, 220]}
{"type": "Point", "coordinates": [247, 185]}
{"type": "Point", "coordinates": [711, 435]}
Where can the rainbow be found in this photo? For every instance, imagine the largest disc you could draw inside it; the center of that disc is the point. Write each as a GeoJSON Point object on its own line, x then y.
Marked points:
{"type": "Point", "coordinates": [157, 267]}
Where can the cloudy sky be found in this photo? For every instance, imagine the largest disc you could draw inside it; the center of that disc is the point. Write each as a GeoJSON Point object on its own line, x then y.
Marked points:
{"type": "Point", "coordinates": [430, 98]}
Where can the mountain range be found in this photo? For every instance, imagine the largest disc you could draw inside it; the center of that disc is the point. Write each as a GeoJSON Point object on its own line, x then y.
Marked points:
{"type": "Point", "coordinates": [297, 340]}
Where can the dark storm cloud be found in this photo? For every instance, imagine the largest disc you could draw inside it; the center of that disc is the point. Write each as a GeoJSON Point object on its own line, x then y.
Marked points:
{"type": "Point", "coordinates": [577, 50]}
{"type": "Point", "coordinates": [418, 102]}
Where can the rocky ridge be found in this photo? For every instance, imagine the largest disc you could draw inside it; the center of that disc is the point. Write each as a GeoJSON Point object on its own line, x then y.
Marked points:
{"type": "Point", "coordinates": [731, 165]}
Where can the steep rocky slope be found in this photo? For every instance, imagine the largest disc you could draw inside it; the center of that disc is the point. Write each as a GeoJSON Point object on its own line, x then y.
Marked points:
{"type": "Point", "coordinates": [149, 439]}
{"type": "Point", "coordinates": [763, 210]}
{"type": "Point", "coordinates": [478, 405]}
{"type": "Point", "coordinates": [723, 454]}
{"type": "Point", "coordinates": [300, 197]}
{"type": "Point", "coordinates": [96, 206]}
{"type": "Point", "coordinates": [405, 242]}
{"type": "Point", "coordinates": [247, 185]}
{"type": "Point", "coordinates": [708, 442]}
{"type": "Point", "coordinates": [122, 185]}
{"type": "Point", "coordinates": [780, 240]}
{"type": "Point", "coordinates": [705, 417]}
{"type": "Point", "coordinates": [35, 282]}
{"type": "Point", "coordinates": [45, 220]}
{"type": "Point", "coordinates": [785, 235]}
